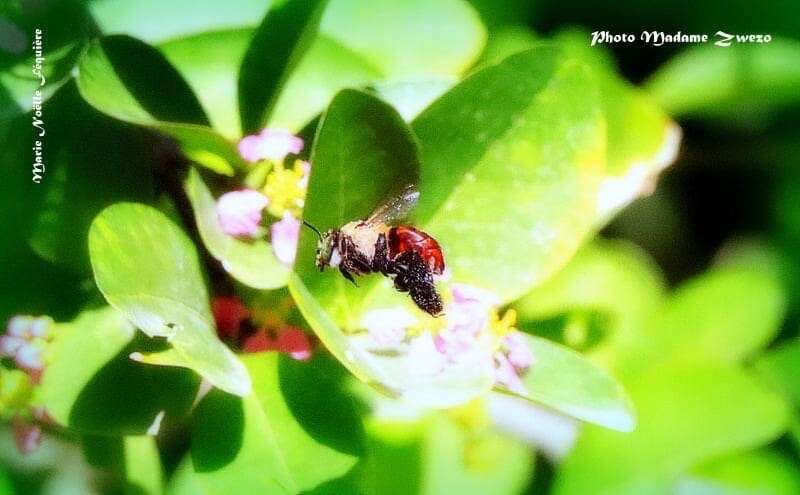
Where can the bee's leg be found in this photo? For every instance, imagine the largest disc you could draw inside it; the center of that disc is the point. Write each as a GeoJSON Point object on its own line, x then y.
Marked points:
{"type": "Point", "coordinates": [398, 271]}
{"type": "Point", "coordinates": [347, 275]}
{"type": "Point", "coordinates": [361, 264]}
{"type": "Point", "coordinates": [401, 283]}
{"type": "Point", "coordinates": [346, 265]}
{"type": "Point", "coordinates": [353, 260]}
{"type": "Point", "coordinates": [380, 261]}
{"type": "Point", "coordinates": [350, 264]}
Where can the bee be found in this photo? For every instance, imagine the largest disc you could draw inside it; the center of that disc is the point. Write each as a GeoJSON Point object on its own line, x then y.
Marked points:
{"type": "Point", "coordinates": [407, 255]}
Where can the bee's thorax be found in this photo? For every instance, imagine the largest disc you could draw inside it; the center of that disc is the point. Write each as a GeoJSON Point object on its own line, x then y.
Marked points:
{"type": "Point", "coordinates": [363, 236]}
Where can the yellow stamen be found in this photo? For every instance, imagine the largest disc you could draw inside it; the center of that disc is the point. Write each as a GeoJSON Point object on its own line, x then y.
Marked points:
{"type": "Point", "coordinates": [285, 189]}
{"type": "Point", "coordinates": [504, 325]}
{"type": "Point", "coordinates": [473, 415]}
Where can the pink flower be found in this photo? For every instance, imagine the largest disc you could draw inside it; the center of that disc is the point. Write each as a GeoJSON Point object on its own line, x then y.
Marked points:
{"type": "Point", "coordinates": [229, 313]}
{"type": "Point", "coordinates": [27, 436]}
{"type": "Point", "coordinates": [387, 327]}
{"type": "Point", "coordinates": [303, 182]}
{"type": "Point", "coordinates": [517, 349]}
{"type": "Point", "coordinates": [28, 327]}
{"type": "Point", "coordinates": [463, 293]}
{"type": "Point", "coordinates": [507, 376]}
{"type": "Point", "coordinates": [452, 344]}
{"type": "Point", "coordinates": [39, 327]}
{"type": "Point", "coordinates": [285, 233]}
{"type": "Point", "coordinates": [290, 340]}
{"type": "Point", "coordinates": [239, 212]}
{"type": "Point", "coordinates": [468, 315]}
{"type": "Point", "coordinates": [10, 345]}
{"type": "Point", "coordinates": [295, 342]}
{"type": "Point", "coordinates": [270, 144]}
{"type": "Point", "coordinates": [258, 342]}
{"type": "Point", "coordinates": [470, 309]}
{"type": "Point", "coordinates": [29, 358]}
{"type": "Point", "coordinates": [19, 326]}
{"type": "Point", "coordinates": [423, 357]}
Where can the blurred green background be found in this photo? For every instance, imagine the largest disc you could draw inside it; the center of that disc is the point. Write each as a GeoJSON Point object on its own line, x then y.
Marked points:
{"type": "Point", "coordinates": [690, 296]}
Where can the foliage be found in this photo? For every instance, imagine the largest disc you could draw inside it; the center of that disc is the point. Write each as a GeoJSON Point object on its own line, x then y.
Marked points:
{"type": "Point", "coordinates": [522, 146]}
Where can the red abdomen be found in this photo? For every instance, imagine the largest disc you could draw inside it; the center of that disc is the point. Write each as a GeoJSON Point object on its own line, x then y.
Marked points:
{"type": "Point", "coordinates": [405, 238]}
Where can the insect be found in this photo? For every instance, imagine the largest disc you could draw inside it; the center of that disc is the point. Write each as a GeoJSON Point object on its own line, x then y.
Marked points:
{"type": "Point", "coordinates": [407, 255]}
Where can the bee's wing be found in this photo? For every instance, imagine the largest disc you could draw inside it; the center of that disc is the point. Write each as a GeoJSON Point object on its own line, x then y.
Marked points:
{"type": "Point", "coordinates": [396, 208]}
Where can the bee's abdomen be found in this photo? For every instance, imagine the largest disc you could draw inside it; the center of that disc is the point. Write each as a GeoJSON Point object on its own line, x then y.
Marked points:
{"type": "Point", "coordinates": [412, 275]}
{"type": "Point", "coordinates": [403, 239]}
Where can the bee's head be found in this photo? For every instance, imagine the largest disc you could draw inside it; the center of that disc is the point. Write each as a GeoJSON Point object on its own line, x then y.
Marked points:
{"type": "Point", "coordinates": [325, 249]}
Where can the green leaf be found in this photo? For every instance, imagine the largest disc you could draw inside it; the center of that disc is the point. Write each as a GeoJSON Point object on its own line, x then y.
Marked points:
{"type": "Point", "coordinates": [565, 381]}
{"type": "Point", "coordinates": [143, 466]}
{"type": "Point", "coordinates": [123, 464]}
{"type": "Point", "coordinates": [356, 47]}
{"type": "Point", "coordinates": [79, 158]}
{"type": "Point", "coordinates": [491, 464]}
{"type": "Point", "coordinates": [408, 37]}
{"type": "Point", "coordinates": [252, 263]}
{"type": "Point", "coordinates": [18, 85]}
{"type": "Point", "coordinates": [276, 49]}
{"type": "Point", "coordinates": [363, 154]}
{"type": "Point", "coordinates": [16, 390]}
{"type": "Point", "coordinates": [148, 269]}
{"type": "Point", "coordinates": [209, 62]}
{"type": "Point", "coordinates": [65, 27]}
{"type": "Point", "coordinates": [311, 415]}
{"type": "Point", "coordinates": [437, 455]}
{"type": "Point", "coordinates": [327, 68]}
{"type": "Point", "coordinates": [265, 441]}
{"type": "Point", "coordinates": [512, 158]}
{"type": "Point", "coordinates": [155, 21]}
{"type": "Point", "coordinates": [610, 276]}
{"type": "Point", "coordinates": [611, 282]}
{"type": "Point", "coordinates": [685, 418]}
{"type": "Point", "coordinates": [230, 437]}
{"type": "Point", "coordinates": [439, 37]}
{"type": "Point", "coordinates": [90, 364]}
{"type": "Point", "coordinates": [741, 83]}
{"type": "Point", "coordinates": [750, 473]}
{"type": "Point", "coordinates": [411, 97]}
{"type": "Point", "coordinates": [781, 367]}
{"type": "Point", "coordinates": [642, 140]}
{"type": "Point", "coordinates": [183, 480]}
{"type": "Point", "coordinates": [505, 41]}
{"type": "Point", "coordinates": [725, 315]}
{"type": "Point", "coordinates": [132, 81]}
{"type": "Point", "coordinates": [794, 433]}
{"type": "Point", "coordinates": [6, 486]}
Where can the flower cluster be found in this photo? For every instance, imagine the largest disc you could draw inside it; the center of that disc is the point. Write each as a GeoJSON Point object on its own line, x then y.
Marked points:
{"type": "Point", "coordinates": [24, 342]}
{"type": "Point", "coordinates": [273, 187]}
{"type": "Point", "coordinates": [270, 144]}
{"type": "Point", "coordinates": [254, 333]}
{"type": "Point", "coordinates": [471, 328]}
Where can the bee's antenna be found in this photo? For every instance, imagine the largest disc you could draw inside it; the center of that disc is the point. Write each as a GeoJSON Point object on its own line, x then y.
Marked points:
{"type": "Point", "coordinates": [316, 231]}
